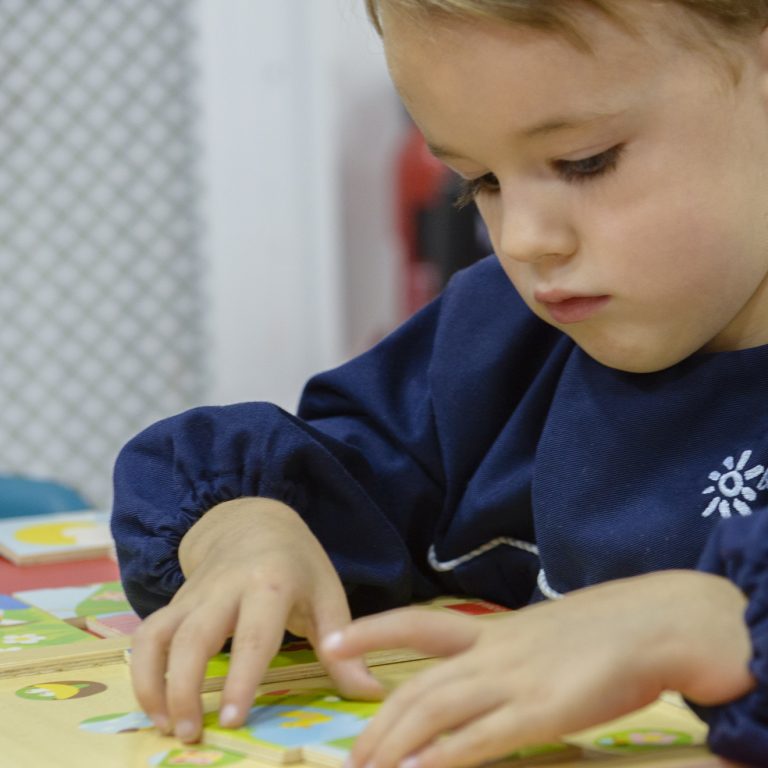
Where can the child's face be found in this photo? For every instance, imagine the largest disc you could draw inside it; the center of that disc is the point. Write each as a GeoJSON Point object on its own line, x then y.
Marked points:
{"type": "Point", "coordinates": [625, 190]}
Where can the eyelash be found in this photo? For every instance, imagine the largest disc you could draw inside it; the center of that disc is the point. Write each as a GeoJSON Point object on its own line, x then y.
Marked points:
{"type": "Point", "coordinates": [571, 171]}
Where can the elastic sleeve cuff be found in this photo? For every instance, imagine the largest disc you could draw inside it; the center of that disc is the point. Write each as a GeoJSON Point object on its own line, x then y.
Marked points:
{"type": "Point", "coordinates": [173, 472]}
{"type": "Point", "coordinates": [738, 550]}
{"type": "Point", "coordinates": [149, 560]}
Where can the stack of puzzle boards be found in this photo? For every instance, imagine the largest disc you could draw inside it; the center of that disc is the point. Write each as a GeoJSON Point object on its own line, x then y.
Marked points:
{"type": "Point", "coordinates": [65, 549]}
{"type": "Point", "coordinates": [79, 696]}
{"type": "Point", "coordinates": [55, 537]}
{"type": "Point", "coordinates": [57, 574]}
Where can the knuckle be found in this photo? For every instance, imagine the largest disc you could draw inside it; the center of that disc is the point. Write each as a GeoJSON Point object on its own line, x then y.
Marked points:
{"type": "Point", "coordinates": [155, 630]}
{"type": "Point", "coordinates": [271, 575]}
{"type": "Point", "coordinates": [249, 639]}
{"type": "Point", "coordinates": [186, 635]}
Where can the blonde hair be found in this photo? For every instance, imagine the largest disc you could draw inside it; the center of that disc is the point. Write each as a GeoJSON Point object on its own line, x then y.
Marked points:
{"type": "Point", "coordinates": [733, 17]}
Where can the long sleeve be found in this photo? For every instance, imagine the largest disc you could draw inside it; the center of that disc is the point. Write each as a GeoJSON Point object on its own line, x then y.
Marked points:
{"type": "Point", "coordinates": [360, 464]}
{"type": "Point", "coordinates": [738, 550]}
{"type": "Point", "coordinates": [411, 463]}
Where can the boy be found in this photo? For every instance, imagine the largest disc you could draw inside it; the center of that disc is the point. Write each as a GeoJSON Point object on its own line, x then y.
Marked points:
{"type": "Point", "coordinates": [578, 414]}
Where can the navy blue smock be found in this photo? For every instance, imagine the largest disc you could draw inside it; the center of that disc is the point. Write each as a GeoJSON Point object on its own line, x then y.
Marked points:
{"type": "Point", "coordinates": [478, 450]}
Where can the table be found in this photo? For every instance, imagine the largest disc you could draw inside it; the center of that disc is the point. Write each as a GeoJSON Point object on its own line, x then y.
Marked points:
{"type": "Point", "coordinates": [48, 720]}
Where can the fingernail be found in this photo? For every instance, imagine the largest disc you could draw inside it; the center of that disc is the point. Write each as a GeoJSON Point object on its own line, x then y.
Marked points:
{"type": "Point", "coordinates": [185, 730]}
{"type": "Point", "coordinates": [161, 723]}
{"type": "Point", "coordinates": [410, 762]}
{"type": "Point", "coordinates": [333, 641]}
{"type": "Point", "coordinates": [228, 715]}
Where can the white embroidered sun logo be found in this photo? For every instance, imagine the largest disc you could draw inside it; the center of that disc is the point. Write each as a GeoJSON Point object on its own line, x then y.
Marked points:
{"type": "Point", "coordinates": [732, 487]}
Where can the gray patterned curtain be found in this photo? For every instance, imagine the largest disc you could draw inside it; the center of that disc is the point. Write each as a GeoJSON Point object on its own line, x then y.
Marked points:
{"type": "Point", "coordinates": [100, 260]}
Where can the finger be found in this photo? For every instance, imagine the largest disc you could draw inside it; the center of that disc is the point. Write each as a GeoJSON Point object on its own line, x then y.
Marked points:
{"type": "Point", "coordinates": [254, 645]}
{"type": "Point", "coordinates": [427, 631]}
{"type": "Point", "coordinates": [430, 715]}
{"type": "Point", "coordinates": [350, 674]}
{"type": "Point", "coordinates": [197, 638]}
{"type": "Point", "coordinates": [489, 737]}
{"type": "Point", "coordinates": [149, 653]}
{"type": "Point", "coordinates": [405, 703]}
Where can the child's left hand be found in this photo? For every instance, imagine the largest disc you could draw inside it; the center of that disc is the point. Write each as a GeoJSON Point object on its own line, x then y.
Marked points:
{"type": "Point", "coordinates": [550, 669]}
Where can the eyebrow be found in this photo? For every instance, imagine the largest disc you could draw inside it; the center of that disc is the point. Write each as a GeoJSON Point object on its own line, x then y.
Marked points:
{"type": "Point", "coordinates": [544, 128]}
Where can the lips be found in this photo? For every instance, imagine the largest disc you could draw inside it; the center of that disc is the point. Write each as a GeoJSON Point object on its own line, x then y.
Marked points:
{"type": "Point", "coordinates": [565, 308]}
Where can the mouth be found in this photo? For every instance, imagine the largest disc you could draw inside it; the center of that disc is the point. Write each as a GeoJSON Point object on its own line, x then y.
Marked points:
{"type": "Point", "coordinates": [566, 308]}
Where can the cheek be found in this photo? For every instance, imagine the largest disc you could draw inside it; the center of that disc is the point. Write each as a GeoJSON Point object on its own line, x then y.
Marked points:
{"type": "Point", "coordinates": [666, 247]}
{"type": "Point", "coordinates": [671, 246]}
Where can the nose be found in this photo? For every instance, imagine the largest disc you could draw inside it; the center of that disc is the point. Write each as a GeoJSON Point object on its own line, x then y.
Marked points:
{"type": "Point", "coordinates": [535, 227]}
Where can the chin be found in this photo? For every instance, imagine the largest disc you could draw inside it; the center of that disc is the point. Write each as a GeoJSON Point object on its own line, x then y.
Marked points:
{"type": "Point", "coordinates": [633, 358]}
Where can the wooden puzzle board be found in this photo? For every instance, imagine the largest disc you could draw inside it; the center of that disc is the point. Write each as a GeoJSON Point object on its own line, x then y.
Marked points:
{"type": "Point", "coordinates": [58, 719]}
{"type": "Point", "coordinates": [55, 537]}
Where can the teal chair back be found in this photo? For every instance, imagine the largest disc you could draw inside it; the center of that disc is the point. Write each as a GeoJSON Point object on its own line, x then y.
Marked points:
{"type": "Point", "coordinates": [21, 495]}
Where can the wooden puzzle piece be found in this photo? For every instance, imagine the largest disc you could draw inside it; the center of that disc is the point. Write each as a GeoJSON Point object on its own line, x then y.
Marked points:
{"type": "Point", "coordinates": [86, 652]}
{"type": "Point", "coordinates": [122, 624]}
{"type": "Point", "coordinates": [319, 728]}
{"type": "Point", "coordinates": [44, 728]}
{"type": "Point", "coordinates": [335, 753]}
{"type": "Point", "coordinates": [117, 722]}
{"type": "Point", "coordinates": [74, 604]}
{"type": "Point", "coordinates": [23, 626]}
{"type": "Point", "coordinates": [42, 715]}
{"type": "Point", "coordinates": [55, 537]}
{"type": "Point", "coordinates": [187, 757]}
{"type": "Point", "coordinates": [282, 724]}
{"type": "Point", "coordinates": [60, 690]}
{"type": "Point", "coordinates": [661, 725]}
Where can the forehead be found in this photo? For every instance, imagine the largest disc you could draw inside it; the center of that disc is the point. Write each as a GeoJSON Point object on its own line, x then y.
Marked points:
{"type": "Point", "coordinates": [452, 73]}
{"type": "Point", "coordinates": [659, 24]}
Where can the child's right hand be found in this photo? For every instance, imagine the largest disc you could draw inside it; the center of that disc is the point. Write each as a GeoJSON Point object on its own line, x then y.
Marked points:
{"type": "Point", "coordinates": [253, 569]}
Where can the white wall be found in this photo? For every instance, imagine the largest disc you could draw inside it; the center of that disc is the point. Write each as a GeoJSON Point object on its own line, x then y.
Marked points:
{"type": "Point", "coordinates": [300, 124]}
{"type": "Point", "coordinates": [370, 129]}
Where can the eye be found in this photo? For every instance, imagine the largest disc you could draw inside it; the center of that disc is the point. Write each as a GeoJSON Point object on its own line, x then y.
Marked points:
{"type": "Point", "coordinates": [589, 167]}
{"type": "Point", "coordinates": [576, 171]}
{"type": "Point", "coordinates": [471, 188]}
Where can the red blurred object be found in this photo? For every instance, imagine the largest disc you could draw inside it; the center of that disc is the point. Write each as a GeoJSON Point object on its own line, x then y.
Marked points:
{"type": "Point", "coordinates": [477, 608]}
{"type": "Point", "coordinates": [14, 578]}
{"type": "Point", "coordinates": [420, 180]}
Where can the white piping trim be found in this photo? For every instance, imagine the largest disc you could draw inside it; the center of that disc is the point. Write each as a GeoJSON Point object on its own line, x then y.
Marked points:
{"type": "Point", "coordinates": [546, 590]}
{"type": "Point", "coordinates": [449, 565]}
